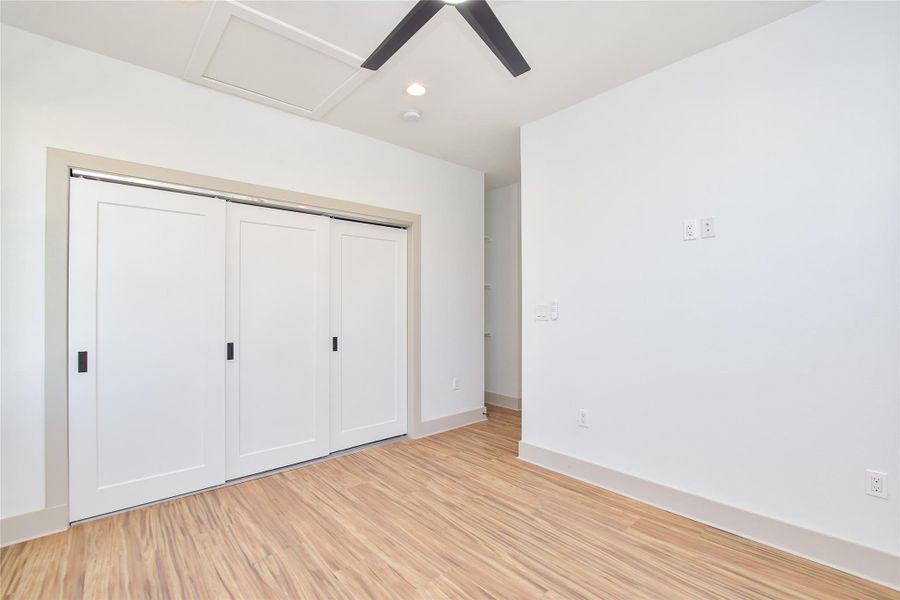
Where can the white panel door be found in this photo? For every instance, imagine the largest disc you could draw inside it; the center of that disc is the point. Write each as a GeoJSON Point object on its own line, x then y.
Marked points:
{"type": "Point", "coordinates": [368, 317]}
{"type": "Point", "coordinates": [147, 305]}
{"type": "Point", "coordinates": [277, 305]}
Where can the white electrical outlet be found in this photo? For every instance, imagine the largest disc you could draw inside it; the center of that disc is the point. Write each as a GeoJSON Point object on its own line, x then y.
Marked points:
{"type": "Point", "coordinates": [876, 483]}
{"type": "Point", "coordinates": [454, 383]}
{"type": "Point", "coordinates": [583, 418]}
{"type": "Point", "coordinates": [707, 228]}
{"type": "Point", "coordinates": [689, 229]}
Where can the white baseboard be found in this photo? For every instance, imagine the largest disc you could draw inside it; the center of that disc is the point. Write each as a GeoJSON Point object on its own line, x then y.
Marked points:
{"type": "Point", "coordinates": [447, 423]}
{"type": "Point", "coordinates": [27, 526]}
{"type": "Point", "coordinates": [870, 563]}
{"type": "Point", "coordinates": [502, 401]}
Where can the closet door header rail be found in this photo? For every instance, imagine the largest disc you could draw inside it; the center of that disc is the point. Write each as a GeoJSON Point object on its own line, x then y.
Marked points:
{"type": "Point", "coordinates": [209, 193]}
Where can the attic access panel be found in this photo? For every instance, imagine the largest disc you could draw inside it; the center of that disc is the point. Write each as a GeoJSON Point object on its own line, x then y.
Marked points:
{"type": "Point", "coordinates": [247, 53]}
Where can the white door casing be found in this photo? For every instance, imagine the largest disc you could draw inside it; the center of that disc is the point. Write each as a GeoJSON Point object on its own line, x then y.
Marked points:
{"type": "Point", "coordinates": [146, 302]}
{"type": "Point", "coordinates": [368, 316]}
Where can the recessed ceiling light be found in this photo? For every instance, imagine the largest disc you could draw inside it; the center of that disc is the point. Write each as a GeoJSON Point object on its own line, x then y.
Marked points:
{"type": "Point", "coordinates": [454, 1]}
{"type": "Point", "coordinates": [416, 89]}
{"type": "Point", "coordinates": [411, 115]}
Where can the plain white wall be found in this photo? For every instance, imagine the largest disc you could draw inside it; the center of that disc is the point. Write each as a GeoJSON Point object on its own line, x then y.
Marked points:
{"type": "Point", "coordinates": [60, 96]}
{"type": "Point", "coordinates": [502, 351]}
{"type": "Point", "coordinates": [758, 368]}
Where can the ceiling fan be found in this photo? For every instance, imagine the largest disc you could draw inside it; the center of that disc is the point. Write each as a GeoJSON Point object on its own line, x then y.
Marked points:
{"type": "Point", "coordinates": [476, 12]}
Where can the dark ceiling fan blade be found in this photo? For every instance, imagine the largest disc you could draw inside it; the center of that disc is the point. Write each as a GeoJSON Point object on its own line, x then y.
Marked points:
{"type": "Point", "coordinates": [411, 23]}
{"type": "Point", "coordinates": [485, 23]}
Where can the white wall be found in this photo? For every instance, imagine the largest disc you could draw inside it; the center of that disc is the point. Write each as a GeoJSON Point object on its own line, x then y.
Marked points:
{"type": "Point", "coordinates": [59, 96]}
{"type": "Point", "coordinates": [759, 368]}
{"type": "Point", "coordinates": [502, 351]}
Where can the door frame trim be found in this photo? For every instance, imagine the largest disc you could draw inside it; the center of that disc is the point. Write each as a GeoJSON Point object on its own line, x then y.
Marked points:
{"type": "Point", "coordinates": [56, 294]}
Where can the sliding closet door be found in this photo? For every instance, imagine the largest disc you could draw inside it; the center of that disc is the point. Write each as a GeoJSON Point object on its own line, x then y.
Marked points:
{"type": "Point", "coordinates": [277, 380]}
{"type": "Point", "coordinates": [146, 345]}
{"type": "Point", "coordinates": [368, 318]}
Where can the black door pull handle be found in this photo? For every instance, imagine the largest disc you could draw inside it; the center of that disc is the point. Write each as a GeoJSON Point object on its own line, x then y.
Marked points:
{"type": "Point", "coordinates": [334, 344]}
{"type": "Point", "coordinates": [229, 351]}
{"type": "Point", "coordinates": [82, 362]}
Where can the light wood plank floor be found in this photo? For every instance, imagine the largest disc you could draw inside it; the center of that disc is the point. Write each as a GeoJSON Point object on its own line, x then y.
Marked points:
{"type": "Point", "coordinates": [456, 515]}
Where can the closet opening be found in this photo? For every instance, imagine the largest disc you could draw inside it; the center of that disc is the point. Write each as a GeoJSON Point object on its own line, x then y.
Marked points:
{"type": "Point", "coordinates": [204, 320]}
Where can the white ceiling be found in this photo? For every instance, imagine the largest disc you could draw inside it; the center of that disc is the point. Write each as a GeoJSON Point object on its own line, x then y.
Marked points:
{"type": "Point", "coordinates": [474, 107]}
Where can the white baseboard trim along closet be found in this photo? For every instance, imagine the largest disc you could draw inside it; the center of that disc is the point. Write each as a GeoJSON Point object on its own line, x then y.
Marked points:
{"type": "Point", "coordinates": [27, 526]}
{"type": "Point", "coordinates": [869, 563]}
{"type": "Point", "coordinates": [502, 401]}
{"type": "Point", "coordinates": [442, 424]}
